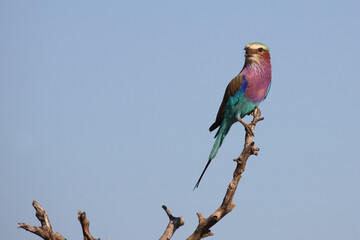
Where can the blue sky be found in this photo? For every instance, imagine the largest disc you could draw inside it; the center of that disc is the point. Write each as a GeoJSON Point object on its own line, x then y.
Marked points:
{"type": "Point", "coordinates": [105, 107]}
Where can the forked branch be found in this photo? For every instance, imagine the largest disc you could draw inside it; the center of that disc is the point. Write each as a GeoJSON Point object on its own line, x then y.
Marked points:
{"type": "Point", "coordinates": [174, 223]}
{"type": "Point", "coordinates": [45, 231]}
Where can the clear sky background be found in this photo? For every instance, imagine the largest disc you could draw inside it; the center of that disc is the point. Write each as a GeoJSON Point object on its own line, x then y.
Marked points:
{"type": "Point", "coordinates": [105, 107]}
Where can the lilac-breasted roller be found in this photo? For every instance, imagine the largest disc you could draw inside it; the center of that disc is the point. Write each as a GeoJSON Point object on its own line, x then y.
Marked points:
{"type": "Point", "coordinates": [243, 94]}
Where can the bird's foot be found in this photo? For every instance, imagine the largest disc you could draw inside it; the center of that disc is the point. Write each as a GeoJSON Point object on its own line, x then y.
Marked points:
{"type": "Point", "coordinates": [257, 116]}
{"type": "Point", "coordinates": [247, 127]}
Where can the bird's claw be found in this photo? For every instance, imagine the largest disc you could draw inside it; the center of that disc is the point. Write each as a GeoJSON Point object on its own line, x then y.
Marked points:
{"type": "Point", "coordinates": [247, 127]}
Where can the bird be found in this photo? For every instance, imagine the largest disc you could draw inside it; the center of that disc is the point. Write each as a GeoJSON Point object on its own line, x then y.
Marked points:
{"type": "Point", "coordinates": [243, 94]}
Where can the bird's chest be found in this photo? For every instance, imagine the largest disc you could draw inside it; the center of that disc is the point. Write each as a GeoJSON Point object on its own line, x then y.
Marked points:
{"type": "Point", "coordinates": [258, 85]}
{"type": "Point", "coordinates": [243, 102]}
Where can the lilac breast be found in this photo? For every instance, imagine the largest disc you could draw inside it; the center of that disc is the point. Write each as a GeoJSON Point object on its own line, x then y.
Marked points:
{"type": "Point", "coordinates": [258, 78]}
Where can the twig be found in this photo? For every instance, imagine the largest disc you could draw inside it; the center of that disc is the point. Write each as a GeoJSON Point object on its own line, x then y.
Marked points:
{"type": "Point", "coordinates": [174, 224]}
{"type": "Point", "coordinates": [203, 228]}
{"type": "Point", "coordinates": [85, 226]}
{"type": "Point", "coordinates": [45, 231]}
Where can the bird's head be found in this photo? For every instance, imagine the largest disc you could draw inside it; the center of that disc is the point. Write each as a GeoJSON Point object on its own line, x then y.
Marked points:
{"type": "Point", "coordinates": [256, 51]}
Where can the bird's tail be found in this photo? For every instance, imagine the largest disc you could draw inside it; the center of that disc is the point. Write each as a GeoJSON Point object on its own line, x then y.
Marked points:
{"type": "Point", "coordinates": [220, 135]}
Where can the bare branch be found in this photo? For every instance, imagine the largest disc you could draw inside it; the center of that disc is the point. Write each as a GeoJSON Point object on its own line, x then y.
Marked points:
{"type": "Point", "coordinates": [85, 226]}
{"type": "Point", "coordinates": [203, 228]}
{"type": "Point", "coordinates": [45, 231]}
{"type": "Point", "coordinates": [174, 224]}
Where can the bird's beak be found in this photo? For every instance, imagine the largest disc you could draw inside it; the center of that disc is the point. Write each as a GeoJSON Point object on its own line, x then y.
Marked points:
{"type": "Point", "coordinates": [248, 51]}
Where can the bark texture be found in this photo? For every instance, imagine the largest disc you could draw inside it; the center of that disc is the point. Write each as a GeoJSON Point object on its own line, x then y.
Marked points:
{"type": "Point", "coordinates": [85, 226]}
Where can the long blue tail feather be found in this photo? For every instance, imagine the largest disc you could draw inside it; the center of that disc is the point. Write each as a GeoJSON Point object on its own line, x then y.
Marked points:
{"type": "Point", "coordinates": [220, 135]}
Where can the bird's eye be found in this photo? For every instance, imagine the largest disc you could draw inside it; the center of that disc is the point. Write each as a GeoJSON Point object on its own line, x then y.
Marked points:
{"type": "Point", "coordinates": [260, 49]}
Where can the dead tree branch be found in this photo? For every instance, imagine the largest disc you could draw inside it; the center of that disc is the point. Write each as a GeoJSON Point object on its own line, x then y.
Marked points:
{"type": "Point", "coordinates": [203, 228]}
{"type": "Point", "coordinates": [174, 224]}
{"type": "Point", "coordinates": [45, 231]}
{"type": "Point", "coordinates": [85, 226]}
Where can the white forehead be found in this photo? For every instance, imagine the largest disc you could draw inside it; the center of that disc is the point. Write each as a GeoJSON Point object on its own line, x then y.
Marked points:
{"type": "Point", "coordinates": [256, 45]}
